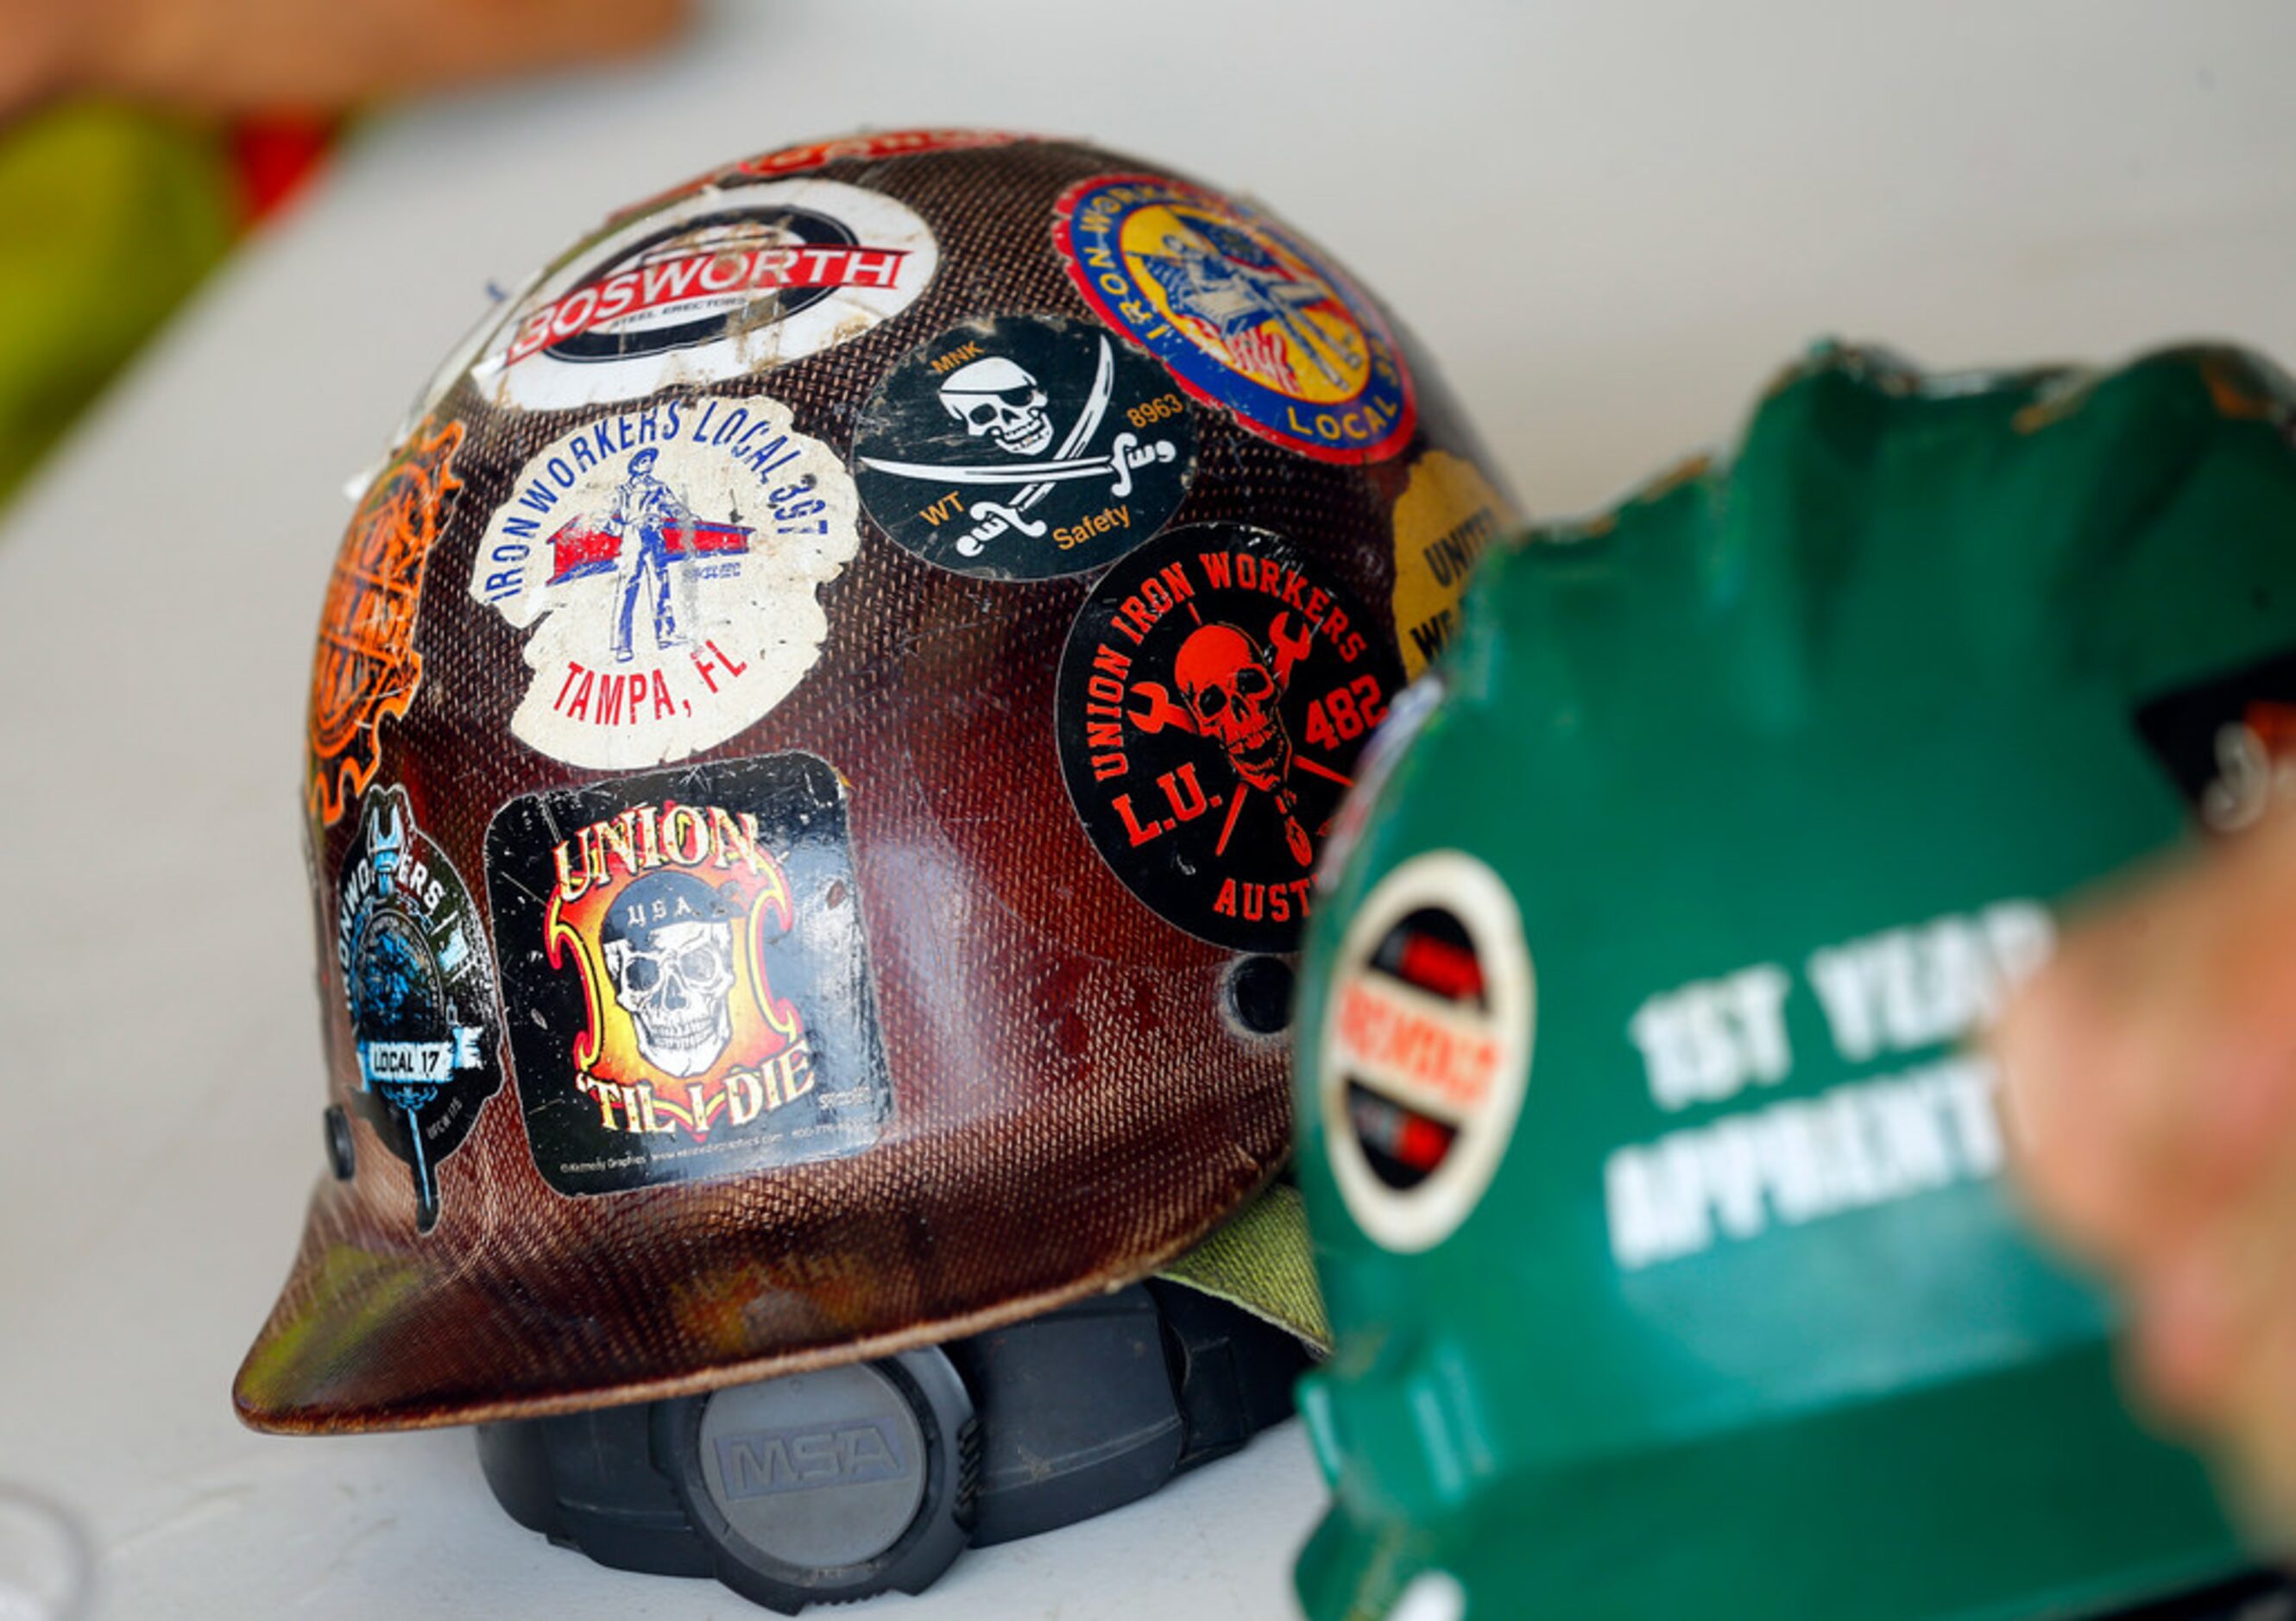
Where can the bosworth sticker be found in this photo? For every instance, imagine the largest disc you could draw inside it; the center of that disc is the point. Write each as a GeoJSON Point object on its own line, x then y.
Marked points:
{"type": "Point", "coordinates": [420, 990]}
{"type": "Point", "coordinates": [669, 559]}
{"type": "Point", "coordinates": [1214, 694]}
{"type": "Point", "coordinates": [1245, 315]}
{"type": "Point", "coordinates": [366, 668]}
{"type": "Point", "coordinates": [729, 282]}
{"type": "Point", "coordinates": [2229, 743]}
{"type": "Point", "coordinates": [686, 976]}
{"type": "Point", "coordinates": [1425, 1047]}
{"type": "Point", "coordinates": [1020, 446]}
{"type": "Point", "coordinates": [1447, 514]}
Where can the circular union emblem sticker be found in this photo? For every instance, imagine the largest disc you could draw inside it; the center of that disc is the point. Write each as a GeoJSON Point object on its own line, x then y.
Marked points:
{"type": "Point", "coordinates": [1245, 315]}
{"type": "Point", "coordinates": [1214, 694]}
{"type": "Point", "coordinates": [726, 283]}
{"type": "Point", "coordinates": [420, 989]}
{"type": "Point", "coordinates": [1023, 446]}
{"type": "Point", "coordinates": [1425, 1047]}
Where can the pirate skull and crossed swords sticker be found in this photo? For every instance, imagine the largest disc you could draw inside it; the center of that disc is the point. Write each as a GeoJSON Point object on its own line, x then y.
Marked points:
{"type": "Point", "coordinates": [1214, 694]}
{"type": "Point", "coordinates": [1022, 447]}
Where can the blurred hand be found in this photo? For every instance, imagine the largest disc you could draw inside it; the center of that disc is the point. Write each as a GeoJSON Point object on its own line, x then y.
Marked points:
{"type": "Point", "coordinates": [2149, 1076]}
{"type": "Point", "coordinates": [227, 56]}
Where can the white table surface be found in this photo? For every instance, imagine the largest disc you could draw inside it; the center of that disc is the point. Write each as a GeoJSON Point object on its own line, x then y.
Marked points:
{"type": "Point", "coordinates": [1609, 220]}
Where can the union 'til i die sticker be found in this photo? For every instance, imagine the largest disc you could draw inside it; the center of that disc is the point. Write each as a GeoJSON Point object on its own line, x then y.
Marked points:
{"type": "Point", "coordinates": [686, 976]}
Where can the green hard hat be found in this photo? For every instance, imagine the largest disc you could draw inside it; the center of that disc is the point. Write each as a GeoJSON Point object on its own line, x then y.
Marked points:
{"type": "Point", "coordinates": [1653, 1172]}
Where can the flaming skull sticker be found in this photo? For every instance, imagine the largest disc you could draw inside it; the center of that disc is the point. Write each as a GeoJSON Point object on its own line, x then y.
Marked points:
{"type": "Point", "coordinates": [1214, 694]}
{"type": "Point", "coordinates": [686, 975]}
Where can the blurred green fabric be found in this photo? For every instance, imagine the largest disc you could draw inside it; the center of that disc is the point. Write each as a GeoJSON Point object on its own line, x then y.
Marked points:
{"type": "Point", "coordinates": [1261, 1259]}
{"type": "Point", "coordinates": [114, 215]}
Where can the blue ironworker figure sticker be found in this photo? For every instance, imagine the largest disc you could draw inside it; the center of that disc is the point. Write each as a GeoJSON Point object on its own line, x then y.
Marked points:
{"type": "Point", "coordinates": [1246, 317]}
{"type": "Point", "coordinates": [664, 563]}
{"type": "Point", "coordinates": [1023, 446]}
{"type": "Point", "coordinates": [420, 988]}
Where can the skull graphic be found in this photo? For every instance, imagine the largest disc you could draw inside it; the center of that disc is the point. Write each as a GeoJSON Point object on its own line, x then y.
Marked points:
{"type": "Point", "coordinates": [994, 398]}
{"type": "Point", "coordinates": [1232, 693]}
{"type": "Point", "coordinates": [669, 941]}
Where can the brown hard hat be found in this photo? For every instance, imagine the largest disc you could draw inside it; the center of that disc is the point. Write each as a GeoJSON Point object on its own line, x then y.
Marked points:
{"type": "Point", "coordinates": [783, 896]}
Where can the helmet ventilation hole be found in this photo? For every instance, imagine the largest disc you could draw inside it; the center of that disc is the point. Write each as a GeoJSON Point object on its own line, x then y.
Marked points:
{"type": "Point", "coordinates": [1258, 992]}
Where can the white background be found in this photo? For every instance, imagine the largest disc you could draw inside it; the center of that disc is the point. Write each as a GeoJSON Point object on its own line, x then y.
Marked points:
{"type": "Point", "coordinates": [1609, 221]}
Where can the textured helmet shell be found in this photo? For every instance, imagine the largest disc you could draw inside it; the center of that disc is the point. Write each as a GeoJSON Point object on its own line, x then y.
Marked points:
{"type": "Point", "coordinates": [684, 566]}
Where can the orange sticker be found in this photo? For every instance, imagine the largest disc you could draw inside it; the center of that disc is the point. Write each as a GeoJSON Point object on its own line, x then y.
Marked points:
{"type": "Point", "coordinates": [366, 668]}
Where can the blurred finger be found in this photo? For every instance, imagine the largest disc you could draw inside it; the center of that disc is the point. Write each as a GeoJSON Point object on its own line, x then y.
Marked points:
{"type": "Point", "coordinates": [2150, 1072]}
{"type": "Point", "coordinates": [2257, 1416]}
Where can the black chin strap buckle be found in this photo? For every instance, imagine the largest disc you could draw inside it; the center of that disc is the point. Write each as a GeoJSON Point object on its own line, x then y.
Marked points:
{"type": "Point", "coordinates": [870, 1478]}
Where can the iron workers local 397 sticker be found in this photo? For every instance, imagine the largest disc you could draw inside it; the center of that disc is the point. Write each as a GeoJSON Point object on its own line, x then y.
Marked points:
{"type": "Point", "coordinates": [668, 562]}
{"type": "Point", "coordinates": [421, 992]}
{"type": "Point", "coordinates": [686, 975]}
{"type": "Point", "coordinates": [1425, 1047]}
{"type": "Point", "coordinates": [1214, 694]}
{"type": "Point", "coordinates": [1021, 447]}
{"type": "Point", "coordinates": [1245, 315]}
{"type": "Point", "coordinates": [728, 282]}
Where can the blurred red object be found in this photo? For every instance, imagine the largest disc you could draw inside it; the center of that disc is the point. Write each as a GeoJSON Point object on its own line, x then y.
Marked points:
{"type": "Point", "coordinates": [272, 155]}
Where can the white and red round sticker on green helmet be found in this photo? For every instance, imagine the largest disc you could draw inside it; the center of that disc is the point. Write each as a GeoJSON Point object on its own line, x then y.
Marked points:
{"type": "Point", "coordinates": [1426, 1047]}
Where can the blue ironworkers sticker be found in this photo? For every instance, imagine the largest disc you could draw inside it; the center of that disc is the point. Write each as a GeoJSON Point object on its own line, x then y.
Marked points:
{"type": "Point", "coordinates": [421, 991]}
{"type": "Point", "coordinates": [1245, 315]}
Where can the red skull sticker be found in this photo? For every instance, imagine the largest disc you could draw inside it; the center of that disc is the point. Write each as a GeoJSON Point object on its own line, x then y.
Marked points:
{"type": "Point", "coordinates": [1214, 694]}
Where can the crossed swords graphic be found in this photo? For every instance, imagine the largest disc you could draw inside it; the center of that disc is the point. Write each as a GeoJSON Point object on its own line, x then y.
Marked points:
{"type": "Point", "coordinates": [1036, 478]}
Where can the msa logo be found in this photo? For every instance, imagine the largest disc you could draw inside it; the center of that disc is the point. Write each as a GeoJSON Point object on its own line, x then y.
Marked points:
{"type": "Point", "coordinates": [765, 1461]}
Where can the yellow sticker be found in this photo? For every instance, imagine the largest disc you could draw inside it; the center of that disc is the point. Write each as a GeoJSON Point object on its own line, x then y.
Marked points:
{"type": "Point", "coordinates": [1446, 515]}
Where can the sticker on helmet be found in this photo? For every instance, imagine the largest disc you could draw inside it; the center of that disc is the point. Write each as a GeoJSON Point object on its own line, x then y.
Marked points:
{"type": "Point", "coordinates": [869, 147]}
{"type": "Point", "coordinates": [1412, 709]}
{"type": "Point", "coordinates": [1247, 317]}
{"type": "Point", "coordinates": [728, 282]}
{"type": "Point", "coordinates": [420, 989]}
{"type": "Point", "coordinates": [670, 557]}
{"type": "Point", "coordinates": [2229, 743]}
{"type": "Point", "coordinates": [1425, 1047]}
{"type": "Point", "coordinates": [366, 668]}
{"type": "Point", "coordinates": [873, 144]}
{"type": "Point", "coordinates": [1214, 694]}
{"type": "Point", "coordinates": [685, 973]}
{"type": "Point", "coordinates": [1023, 447]}
{"type": "Point", "coordinates": [1447, 514]}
